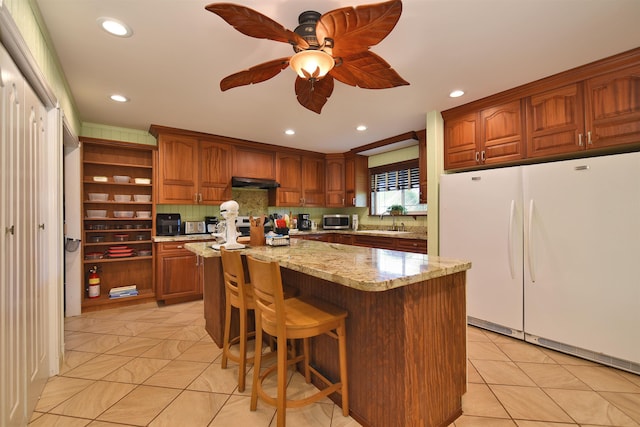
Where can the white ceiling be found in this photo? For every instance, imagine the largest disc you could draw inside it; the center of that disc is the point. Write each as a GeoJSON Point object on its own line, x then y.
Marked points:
{"type": "Point", "coordinates": [172, 66]}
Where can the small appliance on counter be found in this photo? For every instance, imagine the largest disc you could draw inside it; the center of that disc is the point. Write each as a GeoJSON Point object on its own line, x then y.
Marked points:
{"type": "Point", "coordinates": [194, 227]}
{"type": "Point", "coordinates": [168, 224]}
{"type": "Point", "coordinates": [243, 225]}
{"type": "Point", "coordinates": [335, 222]}
{"type": "Point", "coordinates": [211, 223]}
{"type": "Point", "coordinates": [304, 222]}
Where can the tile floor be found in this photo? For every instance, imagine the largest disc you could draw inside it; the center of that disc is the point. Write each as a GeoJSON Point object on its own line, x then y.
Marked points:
{"type": "Point", "coordinates": [156, 366]}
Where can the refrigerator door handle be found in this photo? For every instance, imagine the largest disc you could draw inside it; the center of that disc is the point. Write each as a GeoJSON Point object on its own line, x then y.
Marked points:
{"type": "Point", "coordinates": [532, 273]}
{"type": "Point", "coordinates": [510, 234]}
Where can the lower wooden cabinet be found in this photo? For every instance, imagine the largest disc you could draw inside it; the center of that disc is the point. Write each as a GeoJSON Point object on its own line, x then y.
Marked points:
{"type": "Point", "coordinates": [179, 273]}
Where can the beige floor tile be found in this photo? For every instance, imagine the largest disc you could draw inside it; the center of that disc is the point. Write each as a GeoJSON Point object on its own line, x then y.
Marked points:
{"type": "Point", "coordinates": [202, 351]}
{"type": "Point", "coordinates": [339, 420]}
{"type": "Point", "coordinates": [98, 367]}
{"type": "Point", "coordinates": [528, 423]}
{"type": "Point", "coordinates": [177, 374]}
{"type": "Point", "coordinates": [519, 351]}
{"type": "Point", "coordinates": [137, 370]}
{"type": "Point", "coordinates": [471, 421]}
{"type": "Point", "coordinates": [529, 403]}
{"type": "Point", "coordinates": [168, 349]}
{"type": "Point", "coordinates": [184, 318]}
{"type": "Point", "coordinates": [94, 400]}
{"type": "Point", "coordinates": [567, 359]}
{"type": "Point", "coordinates": [102, 343]}
{"type": "Point", "coordinates": [134, 346]}
{"type": "Point", "coordinates": [189, 333]}
{"type": "Point", "coordinates": [160, 331]}
{"type": "Point", "coordinates": [476, 334]}
{"type": "Point", "coordinates": [73, 359]}
{"type": "Point", "coordinates": [297, 388]}
{"type": "Point", "coordinates": [79, 323]}
{"type": "Point", "coordinates": [132, 328]}
{"type": "Point", "coordinates": [191, 408]}
{"type": "Point", "coordinates": [627, 402]}
{"type": "Point", "coordinates": [106, 424]}
{"type": "Point", "coordinates": [313, 415]}
{"type": "Point", "coordinates": [77, 339]}
{"type": "Point", "coordinates": [51, 420]}
{"type": "Point", "coordinates": [218, 380]}
{"type": "Point", "coordinates": [631, 377]}
{"type": "Point", "coordinates": [140, 406]}
{"type": "Point", "coordinates": [499, 372]}
{"type": "Point", "coordinates": [105, 326]}
{"type": "Point", "coordinates": [157, 316]}
{"type": "Point", "coordinates": [236, 413]}
{"type": "Point", "coordinates": [553, 376]}
{"type": "Point", "coordinates": [589, 407]}
{"type": "Point", "coordinates": [58, 389]}
{"type": "Point", "coordinates": [472, 374]}
{"type": "Point", "coordinates": [602, 378]}
{"type": "Point", "coordinates": [485, 350]}
{"type": "Point", "coordinates": [480, 401]}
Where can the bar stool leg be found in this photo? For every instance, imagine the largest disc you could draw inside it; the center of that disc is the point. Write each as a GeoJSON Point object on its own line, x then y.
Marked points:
{"type": "Point", "coordinates": [243, 349]}
{"type": "Point", "coordinates": [307, 371]}
{"type": "Point", "coordinates": [227, 332]}
{"type": "Point", "coordinates": [257, 361]}
{"type": "Point", "coordinates": [342, 348]}
{"type": "Point", "coordinates": [281, 408]}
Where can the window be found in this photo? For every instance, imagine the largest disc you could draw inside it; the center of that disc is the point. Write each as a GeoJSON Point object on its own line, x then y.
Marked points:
{"type": "Point", "coordinates": [396, 184]}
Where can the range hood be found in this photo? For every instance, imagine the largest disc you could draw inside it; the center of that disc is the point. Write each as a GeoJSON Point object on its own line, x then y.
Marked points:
{"type": "Point", "coordinates": [238, 181]}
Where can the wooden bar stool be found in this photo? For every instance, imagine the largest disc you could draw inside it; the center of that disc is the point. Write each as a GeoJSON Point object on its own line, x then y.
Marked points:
{"type": "Point", "coordinates": [293, 318]}
{"type": "Point", "coordinates": [238, 294]}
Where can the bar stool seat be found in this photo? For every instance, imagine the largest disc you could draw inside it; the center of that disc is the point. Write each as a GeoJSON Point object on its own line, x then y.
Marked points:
{"type": "Point", "coordinates": [293, 318]}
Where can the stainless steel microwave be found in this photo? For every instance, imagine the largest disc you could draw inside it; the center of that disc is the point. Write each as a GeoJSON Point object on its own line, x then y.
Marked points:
{"type": "Point", "coordinates": [335, 222]}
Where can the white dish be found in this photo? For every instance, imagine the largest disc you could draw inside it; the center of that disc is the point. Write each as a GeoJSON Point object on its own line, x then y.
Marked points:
{"type": "Point", "coordinates": [123, 214]}
{"type": "Point", "coordinates": [121, 179]}
{"type": "Point", "coordinates": [142, 197]}
{"type": "Point", "coordinates": [142, 180]}
{"type": "Point", "coordinates": [143, 214]}
{"type": "Point", "coordinates": [100, 178]}
{"type": "Point", "coordinates": [96, 213]}
{"type": "Point", "coordinates": [122, 198]}
{"type": "Point", "coordinates": [98, 197]}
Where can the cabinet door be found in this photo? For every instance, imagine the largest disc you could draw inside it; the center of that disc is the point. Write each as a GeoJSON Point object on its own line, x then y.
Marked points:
{"type": "Point", "coordinates": [555, 121]}
{"type": "Point", "coordinates": [290, 178]}
{"type": "Point", "coordinates": [356, 181]}
{"type": "Point", "coordinates": [501, 133]}
{"type": "Point", "coordinates": [250, 163]}
{"type": "Point", "coordinates": [177, 169]}
{"type": "Point", "coordinates": [215, 172]}
{"type": "Point", "coordinates": [461, 141]}
{"type": "Point", "coordinates": [312, 181]}
{"type": "Point", "coordinates": [335, 182]}
{"type": "Point", "coordinates": [411, 245]}
{"type": "Point", "coordinates": [178, 275]}
{"type": "Point", "coordinates": [613, 108]}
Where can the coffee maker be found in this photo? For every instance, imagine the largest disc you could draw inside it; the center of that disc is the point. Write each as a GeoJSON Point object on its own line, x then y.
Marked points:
{"type": "Point", "coordinates": [304, 222]}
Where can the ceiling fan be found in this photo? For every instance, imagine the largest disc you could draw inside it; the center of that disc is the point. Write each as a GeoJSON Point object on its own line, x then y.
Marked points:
{"type": "Point", "coordinates": [327, 47]}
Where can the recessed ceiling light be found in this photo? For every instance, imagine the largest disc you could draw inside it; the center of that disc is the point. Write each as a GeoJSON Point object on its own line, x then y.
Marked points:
{"type": "Point", "coordinates": [456, 93]}
{"type": "Point", "coordinates": [290, 132]}
{"type": "Point", "coordinates": [361, 128]}
{"type": "Point", "coordinates": [115, 27]}
{"type": "Point", "coordinates": [119, 98]}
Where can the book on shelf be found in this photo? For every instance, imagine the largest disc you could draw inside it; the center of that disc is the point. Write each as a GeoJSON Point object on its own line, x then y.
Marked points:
{"type": "Point", "coordinates": [120, 289]}
{"type": "Point", "coordinates": [123, 294]}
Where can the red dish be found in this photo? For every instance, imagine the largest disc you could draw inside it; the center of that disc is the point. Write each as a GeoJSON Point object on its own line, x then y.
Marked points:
{"type": "Point", "coordinates": [121, 255]}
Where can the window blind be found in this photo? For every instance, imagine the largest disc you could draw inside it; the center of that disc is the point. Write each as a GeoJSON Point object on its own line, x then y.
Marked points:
{"type": "Point", "coordinates": [398, 179]}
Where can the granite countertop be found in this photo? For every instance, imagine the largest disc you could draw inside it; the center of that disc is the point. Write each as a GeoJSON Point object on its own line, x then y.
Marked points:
{"type": "Point", "coordinates": [366, 269]}
{"type": "Point", "coordinates": [183, 238]}
{"type": "Point", "coordinates": [379, 233]}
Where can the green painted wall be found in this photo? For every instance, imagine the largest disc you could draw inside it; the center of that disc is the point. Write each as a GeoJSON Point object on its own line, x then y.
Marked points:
{"type": "Point", "coordinates": [115, 133]}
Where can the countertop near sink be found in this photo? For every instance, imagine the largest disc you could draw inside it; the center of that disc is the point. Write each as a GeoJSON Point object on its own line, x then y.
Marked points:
{"type": "Point", "coordinates": [381, 233]}
{"type": "Point", "coordinates": [183, 238]}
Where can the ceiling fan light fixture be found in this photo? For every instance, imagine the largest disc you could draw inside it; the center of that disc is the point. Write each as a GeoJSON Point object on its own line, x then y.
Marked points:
{"type": "Point", "coordinates": [312, 63]}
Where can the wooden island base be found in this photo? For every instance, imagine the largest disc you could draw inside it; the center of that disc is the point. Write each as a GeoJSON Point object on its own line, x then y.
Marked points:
{"type": "Point", "coordinates": [406, 346]}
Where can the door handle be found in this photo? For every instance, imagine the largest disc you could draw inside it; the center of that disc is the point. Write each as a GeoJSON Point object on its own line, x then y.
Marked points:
{"type": "Point", "coordinates": [530, 258]}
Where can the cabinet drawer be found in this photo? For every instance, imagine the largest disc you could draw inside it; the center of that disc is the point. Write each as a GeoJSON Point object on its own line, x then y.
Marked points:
{"type": "Point", "coordinates": [412, 245]}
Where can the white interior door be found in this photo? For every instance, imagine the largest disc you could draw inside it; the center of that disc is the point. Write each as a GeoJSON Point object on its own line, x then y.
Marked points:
{"type": "Point", "coordinates": [583, 241]}
{"type": "Point", "coordinates": [481, 221]}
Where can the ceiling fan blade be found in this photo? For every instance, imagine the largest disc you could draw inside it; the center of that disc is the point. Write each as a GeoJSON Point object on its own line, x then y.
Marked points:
{"type": "Point", "coordinates": [313, 96]}
{"type": "Point", "coordinates": [255, 24]}
{"type": "Point", "coordinates": [356, 29]}
{"type": "Point", "coordinates": [367, 70]}
{"type": "Point", "coordinates": [255, 74]}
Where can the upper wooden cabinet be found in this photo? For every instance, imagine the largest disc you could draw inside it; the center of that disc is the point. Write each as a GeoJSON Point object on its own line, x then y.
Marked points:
{"type": "Point", "coordinates": [594, 107]}
{"type": "Point", "coordinates": [600, 112]}
{"type": "Point", "coordinates": [334, 183]}
{"type": "Point", "coordinates": [252, 163]}
{"type": "Point", "coordinates": [356, 181]}
{"type": "Point", "coordinates": [301, 180]}
{"type": "Point", "coordinates": [491, 135]}
{"type": "Point", "coordinates": [192, 171]}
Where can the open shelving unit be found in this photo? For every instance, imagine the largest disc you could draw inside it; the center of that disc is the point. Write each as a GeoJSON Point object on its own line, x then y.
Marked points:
{"type": "Point", "coordinates": [105, 232]}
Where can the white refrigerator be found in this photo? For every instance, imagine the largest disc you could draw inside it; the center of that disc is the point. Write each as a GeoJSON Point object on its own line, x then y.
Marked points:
{"type": "Point", "coordinates": [554, 250]}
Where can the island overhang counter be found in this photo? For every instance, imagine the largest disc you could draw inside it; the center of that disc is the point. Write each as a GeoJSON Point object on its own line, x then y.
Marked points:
{"type": "Point", "coordinates": [406, 330]}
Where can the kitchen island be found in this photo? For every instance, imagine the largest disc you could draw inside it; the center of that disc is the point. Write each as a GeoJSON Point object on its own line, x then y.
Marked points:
{"type": "Point", "coordinates": [406, 330]}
